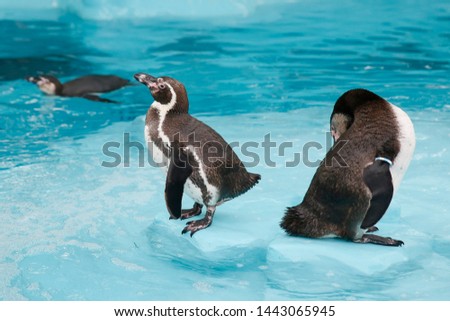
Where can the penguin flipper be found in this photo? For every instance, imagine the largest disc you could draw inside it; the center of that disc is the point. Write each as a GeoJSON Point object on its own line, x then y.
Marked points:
{"type": "Point", "coordinates": [177, 174]}
{"type": "Point", "coordinates": [378, 179]}
{"type": "Point", "coordinates": [98, 98]}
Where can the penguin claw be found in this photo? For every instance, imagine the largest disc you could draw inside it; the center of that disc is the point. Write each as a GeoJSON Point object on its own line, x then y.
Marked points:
{"type": "Point", "coordinates": [186, 229]}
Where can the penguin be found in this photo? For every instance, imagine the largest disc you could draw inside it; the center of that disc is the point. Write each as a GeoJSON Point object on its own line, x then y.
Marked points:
{"type": "Point", "coordinates": [196, 159]}
{"type": "Point", "coordinates": [354, 185]}
{"type": "Point", "coordinates": [85, 87]}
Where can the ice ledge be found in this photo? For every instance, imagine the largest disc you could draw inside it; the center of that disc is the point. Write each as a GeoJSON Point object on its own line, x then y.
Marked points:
{"type": "Point", "coordinates": [363, 258]}
{"type": "Point", "coordinates": [212, 248]}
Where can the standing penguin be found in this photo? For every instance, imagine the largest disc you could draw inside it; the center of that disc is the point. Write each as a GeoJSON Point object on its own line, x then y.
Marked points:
{"type": "Point", "coordinates": [354, 185]}
{"type": "Point", "coordinates": [86, 87]}
{"type": "Point", "coordinates": [197, 159]}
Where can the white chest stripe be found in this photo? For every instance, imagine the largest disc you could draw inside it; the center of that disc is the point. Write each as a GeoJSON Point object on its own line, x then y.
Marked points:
{"type": "Point", "coordinates": [156, 153]}
{"type": "Point", "coordinates": [163, 110]}
{"type": "Point", "coordinates": [211, 189]}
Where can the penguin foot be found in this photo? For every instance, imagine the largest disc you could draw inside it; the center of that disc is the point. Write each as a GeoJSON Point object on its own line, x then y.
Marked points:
{"type": "Point", "coordinates": [372, 229]}
{"type": "Point", "coordinates": [194, 211]}
{"type": "Point", "coordinates": [195, 226]}
{"type": "Point", "coordinates": [376, 239]}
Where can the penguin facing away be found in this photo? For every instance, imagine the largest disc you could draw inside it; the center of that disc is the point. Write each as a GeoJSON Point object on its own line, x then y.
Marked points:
{"type": "Point", "coordinates": [197, 160]}
{"type": "Point", "coordinates": [353, 186]}
{"type": "Point", "coordinates": [85, 87]}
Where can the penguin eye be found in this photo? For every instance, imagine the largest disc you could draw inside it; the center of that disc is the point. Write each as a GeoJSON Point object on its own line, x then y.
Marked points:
{"type": "Point", "coordinates": [161, 86]}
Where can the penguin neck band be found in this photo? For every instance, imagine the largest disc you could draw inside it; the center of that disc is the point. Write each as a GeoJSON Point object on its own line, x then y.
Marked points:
{"type": "Point", "coordinates": [384, 159]}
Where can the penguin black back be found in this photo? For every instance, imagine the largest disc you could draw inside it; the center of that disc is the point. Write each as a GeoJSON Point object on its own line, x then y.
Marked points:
{"type": "Point", "coordinates": [93, 84]}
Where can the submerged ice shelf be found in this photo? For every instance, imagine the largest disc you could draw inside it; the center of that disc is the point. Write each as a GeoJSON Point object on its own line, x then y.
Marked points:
{"type": "Point", "coordinates": [106, 235]}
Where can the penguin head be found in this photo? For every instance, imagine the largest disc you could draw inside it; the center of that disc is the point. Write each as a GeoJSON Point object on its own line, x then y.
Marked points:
{"type": "Point", "coordinates": [48, 84]}
{"type": "Point", "coordinates": [345, 107]}
{"type": "Point", "coordinates": [339, 124]}
{"type": "Point", "coordinates": [169, 93]}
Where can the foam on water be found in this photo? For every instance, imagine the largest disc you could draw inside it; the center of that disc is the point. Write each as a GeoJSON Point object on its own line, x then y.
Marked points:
{"type": "Point", "coordinates": [72, 229]}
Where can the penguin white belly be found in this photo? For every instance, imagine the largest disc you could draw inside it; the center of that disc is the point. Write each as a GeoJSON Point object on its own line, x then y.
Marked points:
{"type": "Point", "coordinates": [193, 191]}
{"type": "Point", "coordinates": [407, 139]}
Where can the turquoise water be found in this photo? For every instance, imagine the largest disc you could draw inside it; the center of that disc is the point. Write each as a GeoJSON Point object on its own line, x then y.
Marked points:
{"type": "Point", "coordinates": [72, 229]}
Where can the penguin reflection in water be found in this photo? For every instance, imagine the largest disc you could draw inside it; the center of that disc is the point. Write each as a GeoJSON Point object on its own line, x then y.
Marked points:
{"type": "Point", "coordinates": [196, 158]}
{"type": "Point", "coordinates": [85, 87]}
{"type": "Point", "coordinates": [354, 185]}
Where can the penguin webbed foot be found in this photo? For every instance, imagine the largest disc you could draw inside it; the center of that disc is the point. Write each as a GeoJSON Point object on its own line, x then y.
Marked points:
{"type": "Point", "coordinates": [372, 229]}
{"type": "Point", "coordinates": [194, 211]}
{"type": "Point", "coordinates": [195, 226]}
{"type": "Point", "coordinates": [380, 240]}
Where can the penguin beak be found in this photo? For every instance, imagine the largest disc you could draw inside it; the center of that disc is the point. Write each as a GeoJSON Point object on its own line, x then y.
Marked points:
{"type": "Point", "coordinates": [146, 79]}
{"type": "Point", "coordinates": [33, 80]}
{"type": "Point", "coordinates": [335, 135]}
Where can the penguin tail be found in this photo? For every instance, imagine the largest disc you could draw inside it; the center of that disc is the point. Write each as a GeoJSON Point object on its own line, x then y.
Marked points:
{"type": "Point", "coordinates": [245, 182]}
{"type": "Point", "coordinates": [251, 180]}
{"type": "Point", "coordinates": [254, 179]}
{"type": "Point", "coordinates": [299, 221]}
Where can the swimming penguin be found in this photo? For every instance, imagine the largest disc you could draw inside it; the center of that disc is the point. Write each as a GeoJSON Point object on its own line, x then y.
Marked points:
{"type": "Point", "coordinates": [197, 159]}
{"type": "Point", "coordinates": [85, 87]}
{"type": "Point", "coordinates": [354, 184]}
